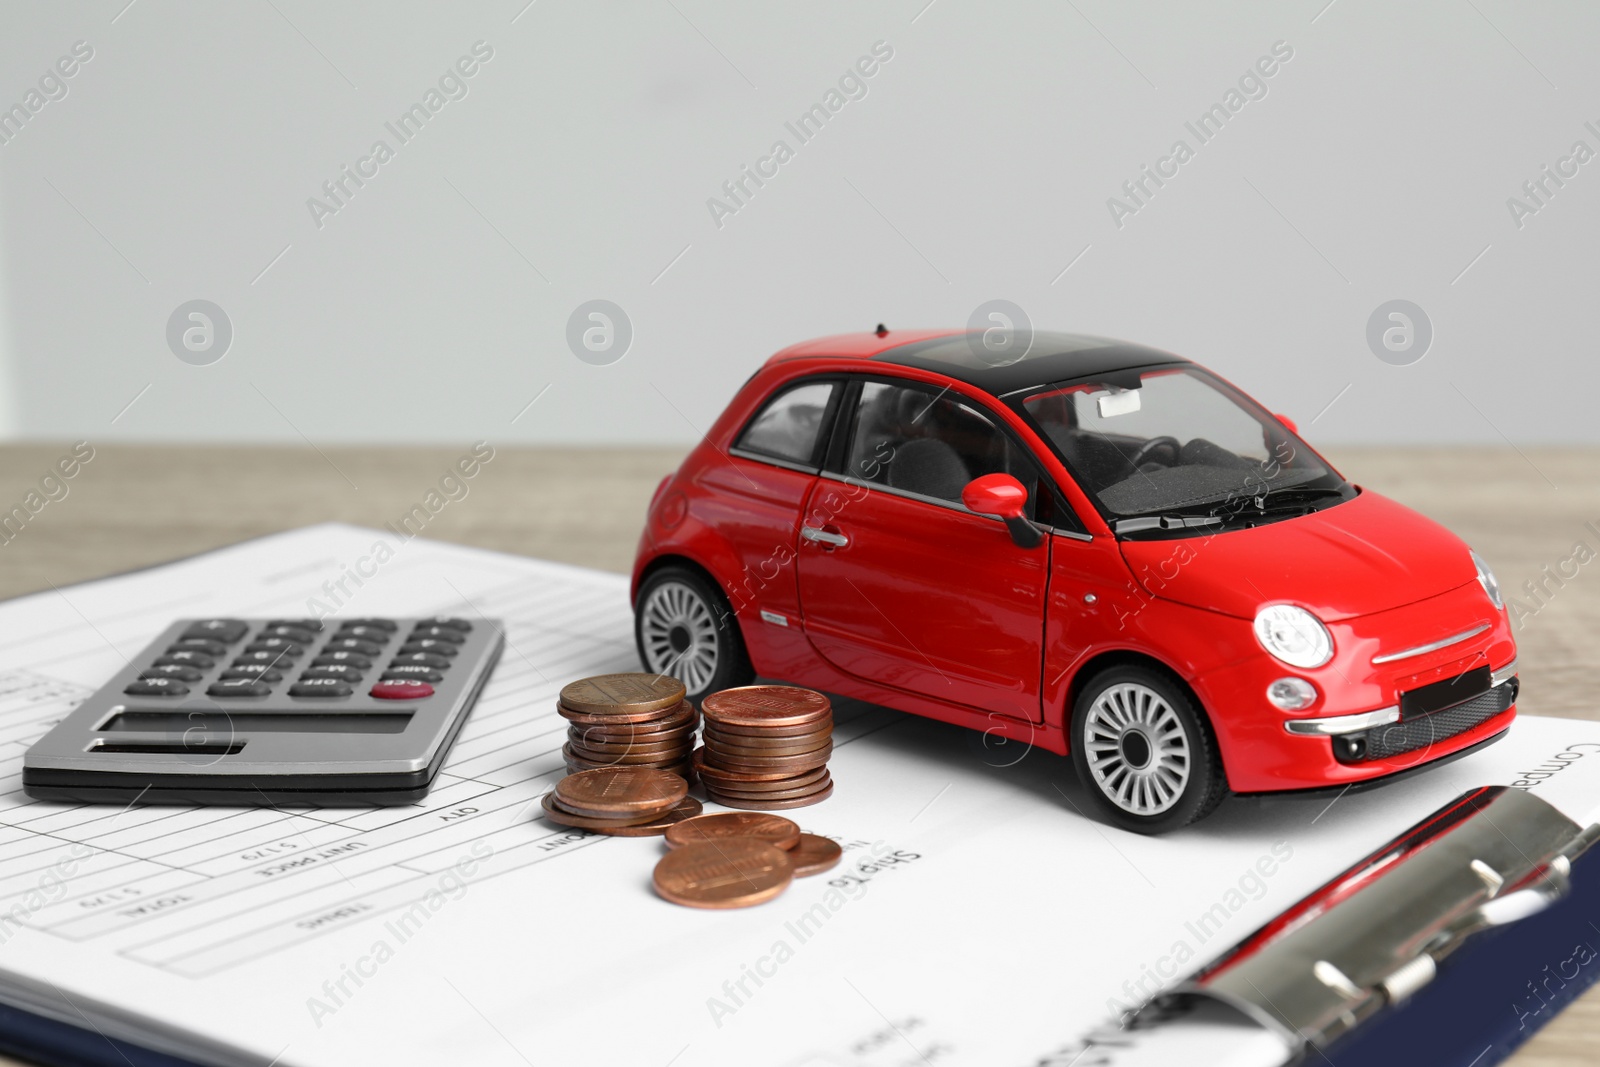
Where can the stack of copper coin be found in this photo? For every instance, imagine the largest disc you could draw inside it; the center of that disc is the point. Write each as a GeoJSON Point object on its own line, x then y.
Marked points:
{"type": "Point", "coordinates": [621, 801]}
{"type": "Point", "coordinates": [766, 747]}
{"type": "Point", "coordinates": [628, 720]}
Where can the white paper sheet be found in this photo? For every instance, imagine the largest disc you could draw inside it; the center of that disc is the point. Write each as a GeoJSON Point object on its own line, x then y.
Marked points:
{"type": "Point", "coordinates": [977, 918]}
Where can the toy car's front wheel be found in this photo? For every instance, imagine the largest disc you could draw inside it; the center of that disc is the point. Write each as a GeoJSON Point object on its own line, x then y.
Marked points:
{"type": "Point", "coordinates": [684, 628]}
{"type": "Point", "coordinates": [1144, 752]}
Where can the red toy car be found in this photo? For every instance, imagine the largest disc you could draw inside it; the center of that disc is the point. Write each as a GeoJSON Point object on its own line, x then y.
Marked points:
{"type": "Point", "coordinates": [1100, 549]}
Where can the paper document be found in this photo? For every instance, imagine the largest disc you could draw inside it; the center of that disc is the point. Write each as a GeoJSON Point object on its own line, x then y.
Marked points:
{"type": "Point", "coordinates": [977, 917]}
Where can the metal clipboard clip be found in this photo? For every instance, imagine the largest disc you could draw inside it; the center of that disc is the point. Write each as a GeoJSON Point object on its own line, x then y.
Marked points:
{"type": "Point", "coordinates": [1374, 935]}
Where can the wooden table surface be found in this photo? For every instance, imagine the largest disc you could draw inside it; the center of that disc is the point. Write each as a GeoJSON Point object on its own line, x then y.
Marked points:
{"type": "Point", "coordinates": [130, 506]}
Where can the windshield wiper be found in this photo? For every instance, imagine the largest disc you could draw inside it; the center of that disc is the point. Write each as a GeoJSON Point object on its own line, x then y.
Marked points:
{"type": "Point", "coordinates": [1162, 522]}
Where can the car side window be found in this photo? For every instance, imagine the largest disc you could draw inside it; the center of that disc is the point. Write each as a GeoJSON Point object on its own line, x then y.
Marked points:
{"type": "Point", "coordinates": [788, 427]}
{"type": "Point", "coordinates": [927, 442]}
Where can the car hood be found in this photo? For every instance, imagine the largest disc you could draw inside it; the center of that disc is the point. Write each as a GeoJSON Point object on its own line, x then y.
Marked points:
{"type": "Point", "coordinates": [1367, 554]}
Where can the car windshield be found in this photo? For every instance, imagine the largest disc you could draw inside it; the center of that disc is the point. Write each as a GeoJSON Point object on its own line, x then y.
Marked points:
{"type": "Point", "coordinates": [1175, 448]}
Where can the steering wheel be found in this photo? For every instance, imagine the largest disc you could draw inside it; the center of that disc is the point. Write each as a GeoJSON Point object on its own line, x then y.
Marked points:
{"type": "Point", "coordinates": [1154, 445]}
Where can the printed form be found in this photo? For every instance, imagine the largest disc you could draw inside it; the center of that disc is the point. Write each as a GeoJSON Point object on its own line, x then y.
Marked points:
{"type": "Point", "coordinates": [977, 916]}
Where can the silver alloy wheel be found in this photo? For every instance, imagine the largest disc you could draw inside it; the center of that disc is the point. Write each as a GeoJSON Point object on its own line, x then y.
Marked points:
{"type": "Point", "coordinates": [679, 631]}
{"type": "Point", "coordinates": [1136, 749]}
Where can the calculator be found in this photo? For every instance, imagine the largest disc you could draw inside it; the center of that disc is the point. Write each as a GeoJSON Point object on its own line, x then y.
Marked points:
{"type": "Point", "coordinates": [272, 712]}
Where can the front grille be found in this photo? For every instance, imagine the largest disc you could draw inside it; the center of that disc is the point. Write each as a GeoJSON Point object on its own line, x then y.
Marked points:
{"type": "Point", "coordinates": [1424, 730]}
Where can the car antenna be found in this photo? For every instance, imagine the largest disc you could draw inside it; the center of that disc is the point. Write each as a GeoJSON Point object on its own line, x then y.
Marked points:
{"type": "Point", "coordinates": [882, 330]}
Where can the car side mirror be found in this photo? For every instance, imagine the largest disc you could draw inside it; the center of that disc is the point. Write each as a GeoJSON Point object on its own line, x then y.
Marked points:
{"type": "Point", "coordinates": [1005, 498]}
{"type": "Point", "coordinates": [1288, 424]}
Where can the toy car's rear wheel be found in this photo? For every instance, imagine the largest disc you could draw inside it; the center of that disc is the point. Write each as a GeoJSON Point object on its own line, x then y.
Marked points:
{"type": "Point", "coordinates": [684, 628]}
{"type": "Point", "coordinates": [1144, 752]}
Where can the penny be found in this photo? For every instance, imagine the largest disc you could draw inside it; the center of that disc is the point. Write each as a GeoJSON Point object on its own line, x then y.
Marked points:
{"type": "Point", "coordinates": [575, 765]}
{"type": "Point", "coordinates": [731, 731]}
{"type": "Point", "coordinates": [766, 705]}
{"type": "Point", "coordinates": [621, 718]}
{"type": "Point", "coordinates": [687, 808]}
{"type": "Point", "coordinates": [715, 771]}
{"type": "Point", "coordinates": [646, 734]}
{"type": "Point", "coordinates": [733, 753]}
{"type": "Point", "coordinates": [733, 873]}
{"type": "Point", "coordinates": [557, 814]}
{"type": "Point", "coordinates": [768, 805]}
{"type": "Point", "coordinates": [773, 829]}
{"type": "Point", "coordinates": [788, 792]}
{"type": "Point", "coordinates": [803, 761]}
{"type": "Point", "coordinates": [615, 791]}
{"type": "Point", "coordinates": [626, 693]}
{"type": "Point", "coordinates": [681, 745]}
{"type": "Point", "coordinates": [814, 854]}
{"type": "Point", "coordinates": [622, 759]}
{"type": "Point", "coordinates": [736, 781]}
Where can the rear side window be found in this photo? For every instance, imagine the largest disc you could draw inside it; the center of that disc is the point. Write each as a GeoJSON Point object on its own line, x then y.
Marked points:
{"type": "Point", "coordinates": [789, 426]}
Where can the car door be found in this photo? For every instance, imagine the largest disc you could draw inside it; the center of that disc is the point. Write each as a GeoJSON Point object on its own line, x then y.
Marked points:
{"type": "Point", "coordinates": [899, 583]}
{"type": "Point", "coordinates": [755, 499]}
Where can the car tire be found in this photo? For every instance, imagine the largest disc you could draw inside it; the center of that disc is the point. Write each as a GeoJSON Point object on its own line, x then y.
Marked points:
{"type": "Point", "coordinates": [1144, 751]}
{"type": "Point", "coordinates": [684, 628]}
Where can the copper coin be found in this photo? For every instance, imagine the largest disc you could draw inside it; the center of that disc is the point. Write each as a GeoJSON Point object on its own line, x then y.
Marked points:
{"type": "Point", "coordinates": [622, 718]}
{"type": "Point", "coordinates": [576, 765]}
{"type": "Point", "coordinates": [766, 705]}
{"type": "Point", "coordinates": [621, 791]}
{"type": "Point", "coordinates": [772, 829]}
{"type": "Point", "coordinates": [627, 693]}
{"type": "Point", "coordinates": [790, 792]}
{"type": "Point", "coordinates": [559, 815]}
{"type": "Point", "coordinates": [622, 759]}
{"type": "Point", "coordinates": [732, 873]}
{"type": "Point", "coordinates": [814, 854]}
{"type": "Point", "coordinates": [768, 805]}
{"type": "Point", "coordinates": [804, 761]}
{"type": "Point", "coordinates": [644, 735]}
{"type": "Point", "coordinates": [735, 784]}
{"type": "Point", "coordinates": [675, 744]}
{"type": "Point", "coordinates": [723, 750]}
{"type": "Point", "coordinates": [687, 808]}
{"type": "Point", "coordinates": [717, 771]}
{"type": "Point", "coordinates": [806, 729]}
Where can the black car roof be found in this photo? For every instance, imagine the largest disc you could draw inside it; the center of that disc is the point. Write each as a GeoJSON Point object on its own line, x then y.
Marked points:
{"type": "Point", "coordinates": [1051, 357]}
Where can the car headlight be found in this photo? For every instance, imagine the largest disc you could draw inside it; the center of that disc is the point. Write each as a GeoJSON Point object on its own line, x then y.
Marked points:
{"type": "Point", "coordinates": [1293, 635]}
{"type": "Point", "coordinates": [1490, 583]}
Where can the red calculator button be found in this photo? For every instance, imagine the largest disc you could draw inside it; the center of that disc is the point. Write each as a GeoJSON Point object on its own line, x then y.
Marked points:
{"type": "Point", "coordinates": [402, 689]}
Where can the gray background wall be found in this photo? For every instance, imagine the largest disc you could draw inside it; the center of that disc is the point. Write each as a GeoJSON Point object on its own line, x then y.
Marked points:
{"type": "Point", "coordinates": [433, 306]}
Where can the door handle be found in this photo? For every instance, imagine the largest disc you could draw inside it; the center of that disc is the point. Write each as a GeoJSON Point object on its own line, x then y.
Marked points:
{"type": "Point", "coordinates": [825, 537]}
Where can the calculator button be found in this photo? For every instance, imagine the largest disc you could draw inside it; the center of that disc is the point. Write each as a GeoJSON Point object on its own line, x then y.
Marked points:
{"type": "Point", "coordinates": [377, 624]}
{"type": "Point", "coordinates": [438, 633]}
{"type": "Point", "coordinates": [312, 625]}
{"type": "Point", "coordinates": [427, 659]}
{"type": "Point", "coordinates": [261, 672]}
{"type": "Point", "coordinates": [275, 644]}
{"type": "Point", "coordinates": [239, 687]}
{"type": "Point", "coordinates": [290, 633]}
{"type": "Point", "coordinates": [420, 671]}
{"type": "Point", "coordinates": [350, 644]}
{"type": "Point", "coordinates": [175, 671]}
{"type": "Point", "coordinates": [402, 689]}
{"type": "Point", "coordinates": [320, 687]}
{"type": "Point", "coordinates": [184, 658]}
{"type": "Point", "coordinates": [455, 624]}
{"type": "Point", "coordinates": [225, 630]}
{"type": "Point", "coordinates": [342, 659]}
{"type": "Point", "coordinates": [205, 648]}
{"type": "Point", "coordinates": [156, 687]}
{"type": "Point", "coordinates": [343, 674]}
{"type": "Point", "coordinates": [428, 644]}
{"type": "Point", "coordinates": [363, 633]}
{"type": "Point", "coordinates": [272, 659]}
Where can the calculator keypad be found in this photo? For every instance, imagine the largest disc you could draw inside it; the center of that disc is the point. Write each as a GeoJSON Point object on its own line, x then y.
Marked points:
{"type": "Point", "coordinates": [238, 659]}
